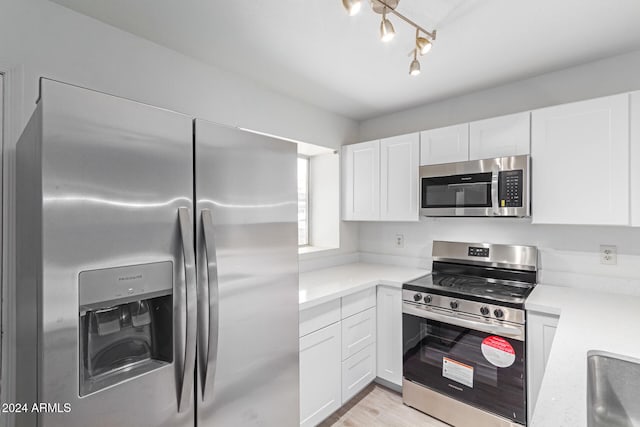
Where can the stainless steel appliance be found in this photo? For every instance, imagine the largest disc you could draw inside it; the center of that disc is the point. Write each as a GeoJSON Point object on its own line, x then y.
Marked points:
{"type": "Point", "coordinates": [489, 187]}
{"type": "Point", "coordinates": [464, 334]}
{"type": "Point", "coordinates": [157, 276]}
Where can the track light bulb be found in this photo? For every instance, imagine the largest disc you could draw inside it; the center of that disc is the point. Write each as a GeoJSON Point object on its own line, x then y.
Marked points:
{"type": "Point", "coordinates": [352, 6]}
{"type": "Point", "coordinates": [414, 68]}
{"type": "Point", "coordinates": [423, 45]}
{"type": "Point", "coordinates": [387, 32]}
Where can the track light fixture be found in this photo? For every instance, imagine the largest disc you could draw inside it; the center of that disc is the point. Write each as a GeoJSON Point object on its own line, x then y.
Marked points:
{"type": "Point", "coordinates": [352, 6]}
{"type": "Point", "coordinates": [387, 32]}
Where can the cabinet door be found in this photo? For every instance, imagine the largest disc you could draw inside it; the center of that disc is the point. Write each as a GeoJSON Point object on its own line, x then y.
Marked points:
{"type": "Point", "coordinates": [320, 375]}
{"type": "Point", "coordinates": [389, 340]}
{"type": "Point", "coordinates": [361, 181]}
{"type": "Point", "coordinates": [635, 159]}
{"type": "Point", "coordinates": [399, 157]}
{"type": "Point", "coordinates": [541, 329]}
{"type": "Point", "coordinates": [500, 136]}
{"type": "Point", "coordinates": [580, 161]}
{"type": "Point", "coordinates": [444, 145]}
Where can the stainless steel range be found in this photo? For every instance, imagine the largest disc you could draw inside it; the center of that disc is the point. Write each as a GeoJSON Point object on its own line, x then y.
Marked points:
{"type": "Point", "coordinates": [464, 334]}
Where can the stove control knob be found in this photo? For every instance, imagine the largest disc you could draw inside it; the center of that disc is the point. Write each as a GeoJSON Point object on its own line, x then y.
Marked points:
{"type": "Point", "coordinates": [428, 299]}
{"type": "Point", "coordinates": [498, 313]}
{"type": "Point", "coordinates": [417, 297]}
{"type": "Point", "coordinates": [454, 305]}
{"type": "Point", "coordinates": [484, 310]}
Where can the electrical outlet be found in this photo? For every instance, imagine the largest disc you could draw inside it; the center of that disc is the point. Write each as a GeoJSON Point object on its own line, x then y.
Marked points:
{"type": "Point", "coordinates": [608, 254]}
{"type": "Point", "coordinates": [399, 240]}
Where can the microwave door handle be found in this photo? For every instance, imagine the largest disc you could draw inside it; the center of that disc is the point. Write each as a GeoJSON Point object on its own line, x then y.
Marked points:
{"type": "Point", "coordinates": [467, 184]}
{"type": "Point", "coordinates": [212, 303]}
{"type": "Point", "coordinates": [495, 175]}
{"type": "Point", "coordinates": [454, 319]}
{"type": "Point", "coordinates": [190, 331]}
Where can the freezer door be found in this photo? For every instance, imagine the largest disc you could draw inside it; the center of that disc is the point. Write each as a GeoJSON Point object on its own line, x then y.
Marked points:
{"type": "Point", "coordinates": [111, 267]}
{"type": "Point", "coordinates": [246, 236]}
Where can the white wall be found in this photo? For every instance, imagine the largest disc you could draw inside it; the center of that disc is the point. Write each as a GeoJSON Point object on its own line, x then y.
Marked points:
{"type": "Point", "coordinates": [570, 254]}
{"type": "Point", "coordinates": [605, 77]}
{"type": "Point", "coordinates": [324, 203]}
{"type": "Point", "coordinates": [47, 39]}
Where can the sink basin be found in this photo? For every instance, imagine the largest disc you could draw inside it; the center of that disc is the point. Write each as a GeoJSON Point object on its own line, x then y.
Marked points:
{"type": "Point", "coordinates": [613, 390]}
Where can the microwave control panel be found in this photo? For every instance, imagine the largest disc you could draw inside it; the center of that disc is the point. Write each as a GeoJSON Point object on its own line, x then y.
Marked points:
{"type": "Point", "coordinates": [510, 186]}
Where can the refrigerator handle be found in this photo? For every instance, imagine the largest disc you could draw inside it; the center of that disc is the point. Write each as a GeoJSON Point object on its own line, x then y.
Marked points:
{"type": "Point", "coordinates": [186, 387]}
{"type": "Point", "coordinates": [212, 306]}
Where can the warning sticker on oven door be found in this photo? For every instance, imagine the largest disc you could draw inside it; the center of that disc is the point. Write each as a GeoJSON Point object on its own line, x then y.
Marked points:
{"type": "Point", "coordinates": [457, 371]}
{"type": "Point", "coordinates": [498, 351]}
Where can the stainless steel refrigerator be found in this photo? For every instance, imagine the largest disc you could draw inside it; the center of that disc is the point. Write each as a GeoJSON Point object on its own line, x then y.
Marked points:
{"type": "Point", "coordinates": [157, 276]}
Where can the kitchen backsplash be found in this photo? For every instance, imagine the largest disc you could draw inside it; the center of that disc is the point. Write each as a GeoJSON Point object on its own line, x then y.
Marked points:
{"type": "Point", "coordinates": [569, 255]}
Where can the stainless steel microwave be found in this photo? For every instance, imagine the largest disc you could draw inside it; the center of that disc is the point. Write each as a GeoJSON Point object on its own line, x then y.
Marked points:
{"type": "Point", "coordinates": [488, 187]}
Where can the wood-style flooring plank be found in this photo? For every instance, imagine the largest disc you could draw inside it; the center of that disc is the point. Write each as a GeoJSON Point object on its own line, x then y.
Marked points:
{"type": "Point", "coordinates": [377, 406]}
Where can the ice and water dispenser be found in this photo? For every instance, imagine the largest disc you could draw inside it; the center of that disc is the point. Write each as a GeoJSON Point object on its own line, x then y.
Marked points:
{"type": "Point", "coordinates": [126, 323]}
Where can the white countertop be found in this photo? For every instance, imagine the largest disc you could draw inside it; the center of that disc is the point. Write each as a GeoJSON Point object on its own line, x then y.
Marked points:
{"type": "Point", "coordinates": [589, 320]}
{"type": "Point", "coordinates": [326, 284]}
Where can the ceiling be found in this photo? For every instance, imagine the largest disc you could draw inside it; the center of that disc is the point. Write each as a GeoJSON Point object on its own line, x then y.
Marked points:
{"type": "Point", "coordinates": [311, 50]}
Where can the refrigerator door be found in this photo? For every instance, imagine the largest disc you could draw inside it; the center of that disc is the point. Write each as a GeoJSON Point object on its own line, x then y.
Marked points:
{"type": "Point", "coordinates": [112, 270]}
{"type": "Point", "coordinates": [246, 240]}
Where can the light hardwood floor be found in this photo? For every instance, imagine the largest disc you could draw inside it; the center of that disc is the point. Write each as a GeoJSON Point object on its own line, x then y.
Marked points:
{"type": "Point", "coordinates": [379, 406]}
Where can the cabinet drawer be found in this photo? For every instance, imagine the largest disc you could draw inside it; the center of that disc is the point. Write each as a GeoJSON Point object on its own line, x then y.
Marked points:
{"type": "Point", "coordinates": [318, 317]}
{"type": "Point", "coordinates": [358, 371]}
{"type": "Point", "coordinates": [358, 332]}
{"type": "Point", "coordinates": [360, 301]}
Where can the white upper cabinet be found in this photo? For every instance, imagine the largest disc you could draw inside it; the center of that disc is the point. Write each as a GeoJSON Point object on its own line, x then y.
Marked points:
{"type": "Point", "coordinates": [380, 179]}
{"type": "Point", "coordinates": [399, 189]}
{"type": "Point", "coordinates": [580, 160]}
{"type": "Point", "coordinates": [635, 159]}
{"type": "Point", "coordinates": [361, 181]}
{"type": "Point", "coordinates": [444, 145]}
{"type": "Point", "coordinates": [500, 136]}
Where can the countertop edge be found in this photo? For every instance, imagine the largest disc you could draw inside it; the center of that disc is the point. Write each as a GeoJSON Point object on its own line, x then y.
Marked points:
{"type": "Point", "coordinates": [365, 284]}
{"type": "Point", "coordinates": [341, 293]}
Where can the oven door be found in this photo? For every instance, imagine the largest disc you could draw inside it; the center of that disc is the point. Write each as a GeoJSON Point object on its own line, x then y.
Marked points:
{"type": "Point", "coordinates": [478, 361]}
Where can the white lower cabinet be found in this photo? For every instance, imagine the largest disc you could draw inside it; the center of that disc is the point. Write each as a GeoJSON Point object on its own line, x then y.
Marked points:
{"type": "Point", "coordinates": [320, 374]}
{"type": "Point", "coordinates": [337, 353]}
{"type": "Point", "coordinates": [541, 330]}
{"type": "Point", "coordinates": [358, 371]}
{"type": "Point", "coordinates": [389, 334]}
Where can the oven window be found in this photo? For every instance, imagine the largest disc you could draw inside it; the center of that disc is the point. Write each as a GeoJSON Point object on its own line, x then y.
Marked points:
{"type": "Point", "coordinates": [450, 359]}
{"type": "Point", "coordinates": [457, 191]}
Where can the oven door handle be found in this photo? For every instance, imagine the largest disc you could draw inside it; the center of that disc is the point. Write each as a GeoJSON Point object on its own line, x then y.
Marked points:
{"type": "Point", "coordinates": [515, 332]}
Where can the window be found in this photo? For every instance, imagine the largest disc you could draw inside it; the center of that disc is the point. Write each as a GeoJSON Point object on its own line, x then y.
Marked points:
{"type": "Point", "coordinates": [303, 201]}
